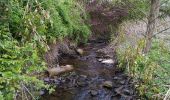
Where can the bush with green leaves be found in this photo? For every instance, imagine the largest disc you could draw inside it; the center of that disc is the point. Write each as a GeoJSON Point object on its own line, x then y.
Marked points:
{"type": "Point", "coordinates": [26, 27]}
{"type": "Point", "coordinates": [151, 71]}
{"type": "Point", "coordinates": [18, 62]}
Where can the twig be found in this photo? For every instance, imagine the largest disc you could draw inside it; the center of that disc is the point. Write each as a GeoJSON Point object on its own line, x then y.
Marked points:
{"type": "Point", "coordinates": [160, 32]}
{"type": "Point", "coordinates": [28, 91]}
{"type": "Point", "coordinates": [167, 95]}
{"type": "Point", "coordinates": [25, 95]}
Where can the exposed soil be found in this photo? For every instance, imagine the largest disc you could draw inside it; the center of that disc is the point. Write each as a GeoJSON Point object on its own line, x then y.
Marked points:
{"type": "Point", "coordinates": [91, 79]}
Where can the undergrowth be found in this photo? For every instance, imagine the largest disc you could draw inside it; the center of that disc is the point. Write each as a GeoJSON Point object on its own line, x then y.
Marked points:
{"type": "Point", "coordinates": [150, 72]}
{"type": "Point", "coordinates": [26, 28]}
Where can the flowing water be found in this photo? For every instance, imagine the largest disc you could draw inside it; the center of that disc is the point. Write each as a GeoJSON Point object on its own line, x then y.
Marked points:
{"type": "Point", "coordinates": [86, 81]}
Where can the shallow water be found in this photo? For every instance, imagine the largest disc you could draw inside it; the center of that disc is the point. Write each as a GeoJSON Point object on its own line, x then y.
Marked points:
{"type": "Point", "coordinates": [85, 82]}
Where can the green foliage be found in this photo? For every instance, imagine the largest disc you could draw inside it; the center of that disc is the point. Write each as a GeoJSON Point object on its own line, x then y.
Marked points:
{"type": "Point", "coordinates": [150, 71]}
{"type": "Point", "coordinates": [137, 9]}
{"type": "Point", "coordinates": [165, 8]}
{"type": "Point", "coordinates": [26, 27]}
{"type": "Point", "coordinates": [67, 20]}
{"type": "Point", "coordinates": [17, 63]}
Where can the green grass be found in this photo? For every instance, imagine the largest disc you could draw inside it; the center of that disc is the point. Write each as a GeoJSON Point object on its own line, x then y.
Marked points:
{"type": "Point", "coordinates": [151, 71]}
{"type": "Point", "coordinates": [160, 54]}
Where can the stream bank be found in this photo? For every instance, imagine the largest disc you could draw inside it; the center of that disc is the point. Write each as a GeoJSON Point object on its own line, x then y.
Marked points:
{"type": "Point", "coordinates": [91, 79]}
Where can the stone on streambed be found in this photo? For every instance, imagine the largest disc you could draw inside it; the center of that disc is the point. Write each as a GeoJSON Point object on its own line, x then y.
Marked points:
{"type": "Point", "coordinates": [80, 51]}
{"type": "Point", "coordinates": [58, 70]}
{"type": "Point", "coordinates": [42, 92]}
{"type": "Point", "coordinates": [127, 92]}
{"type": "Point", "coordinates": [93, 92]}
{"type": "Point", "coordinates": [108, 61]}
{"type": "Point", "coordinates": [82, 83]}
{"type": "Point", "coordinates": [108, 84]}
{"type": "Point", "coordinates": [100, 60]}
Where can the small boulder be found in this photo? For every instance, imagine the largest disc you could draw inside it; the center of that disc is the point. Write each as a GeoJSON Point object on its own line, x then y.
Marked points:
{"type": "Point", "coordinates": [119, 90]}
{"type": "Point", "coordinates": [42, 92]}
{"type": "Point", "coordinates": [80, 51]}
{"type": "Point", "coordinates": [100, 60]}
{"type": "Point", "coordinates": [81, 83]}
{"type": "Point", "coordinates": [127, 92]}
{"type": "Point", "coordinates": [122, 82]}
{"type": "Point", "coordinates": [108, 61]}
{"type": "Point", "coordinates": [58, 70]}
{"type": "Point", "coordinates": [46, 80]}
{"type": "Point", "coordinates": [93, 92]}
{"type": "Point", "coordinates": [116, 78]}
{"type": "Point", "coordinates": [108, 84]}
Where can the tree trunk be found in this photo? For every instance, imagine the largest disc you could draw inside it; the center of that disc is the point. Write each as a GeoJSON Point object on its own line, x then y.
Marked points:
{"type": "Point", "coordinates": [154, 12]}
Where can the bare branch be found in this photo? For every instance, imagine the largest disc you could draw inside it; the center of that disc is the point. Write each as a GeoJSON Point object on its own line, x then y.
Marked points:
{"type": "Point", "coordinates": [160, 32]}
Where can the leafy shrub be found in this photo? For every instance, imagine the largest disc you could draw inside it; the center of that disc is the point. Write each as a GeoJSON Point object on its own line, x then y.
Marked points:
{"type": "Point", "coordinates": [17, 63]}
{"type": "Point", "coordinates": [138, 9]}
{"type": "Point", "coordinates": [28, 27]}
{"type": "Point", "coordinates": [67, 20]}
{"type": "Point", "coordinates": [149, 71]}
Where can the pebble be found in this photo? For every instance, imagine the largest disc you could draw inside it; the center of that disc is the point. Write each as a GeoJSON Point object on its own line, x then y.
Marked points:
{"type": "Point", "coordinates": [84, 76]}
{"type": "Point", "coordinates": [82, 84]}
{"type": "Point", "coordinates": [116, 78]}
{"type": "Point", "coordinates": [42, 92]}
{"type": "Point", "coordinates": [108, 61]}
{"type": "Point", "coordinates": [126, 92]}
{"type": "Point", "coordinates": [108, 84]}
{"type": "Point", "coordinates": [80, 51]}
{"type": "Point", "coordinates": [93, 92]}
{"type": "Point", "coordinates": [122, 82]}
{"type": "Point", "coordinates": [46, 79]}
{"type": "Point", "coordinates": [100, 60]}
{"type": "Point", "coordinates": [119, 90]}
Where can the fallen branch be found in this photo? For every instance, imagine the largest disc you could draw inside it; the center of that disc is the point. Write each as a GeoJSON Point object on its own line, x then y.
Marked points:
{"type": "Point", "coordinates": [160, 32]}
{"type": "Point", "coordinates": [28, 91]}
{"type": "Point", "coordinates": [167, 95]}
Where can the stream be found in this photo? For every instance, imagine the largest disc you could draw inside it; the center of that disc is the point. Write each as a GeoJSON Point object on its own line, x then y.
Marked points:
{"type": "Point", "coordinates": [91, 79]}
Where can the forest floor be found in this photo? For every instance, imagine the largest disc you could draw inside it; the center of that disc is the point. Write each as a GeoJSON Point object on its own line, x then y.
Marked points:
{"type": "Point", "coordinates": [95, 77]}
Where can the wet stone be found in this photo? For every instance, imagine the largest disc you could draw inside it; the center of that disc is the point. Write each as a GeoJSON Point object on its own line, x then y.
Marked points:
{"type": "Point", "coordinates": [108, 61]}
{"type": "Point", "coordinates": [42, 92]}
{"type": "Point", "coordinates": [93, 92]}
{"type": "Point", "coordinates": [116, 78]}
{"type": "Point", "coordinates": [122, 82]}
{"type": "Point", "coordinates": [80, 51]}
{"type": "Point", "coordinates": [123, 98]}
{"type": "Point", "coordinates": [46, 79]}
{"type": "Point", "coordinates": [126, 98]}
{"type": "Point", "coordinates": [81, 83]}
{"type": "Point", "coordinates": [119, 90]}
{"type": "Point", "coordinates": [126, 92]}
{"type": "Point", "coordinates": [108, 84]}
{"type": "Point", "coordinates": [57, 82]}
{"type": "Point", "coordinates": [100, 60]}
{"type": "Point", "coordinates": [83, 76]}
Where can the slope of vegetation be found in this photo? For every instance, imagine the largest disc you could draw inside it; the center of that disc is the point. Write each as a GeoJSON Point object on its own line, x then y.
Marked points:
{"type": "Point", "coordinates": [150, 71]}
{"type": "Point", "coordinates": [26, 27]}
